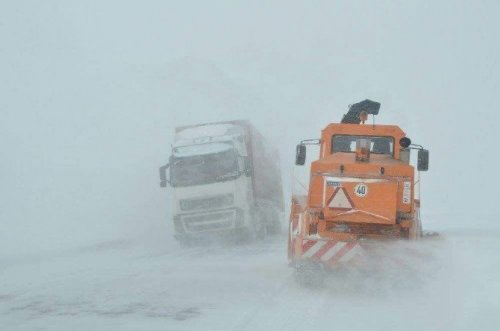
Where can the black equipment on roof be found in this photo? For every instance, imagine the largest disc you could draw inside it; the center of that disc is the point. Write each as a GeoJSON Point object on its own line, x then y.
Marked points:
{"type": "Point", "coordinates": [352, 116]}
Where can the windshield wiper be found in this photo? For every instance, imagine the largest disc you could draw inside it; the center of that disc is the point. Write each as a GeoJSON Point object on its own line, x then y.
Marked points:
{"type": "Point", "coordinates": [226, 176]}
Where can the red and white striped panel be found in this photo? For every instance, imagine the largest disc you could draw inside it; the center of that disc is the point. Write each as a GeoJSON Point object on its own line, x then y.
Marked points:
{"type": "Point", "coordinates": [294, 232]}
{"type": "Point", "coordinates": [329, 251]}
{"type": "Point", "coordinates": [295, 228]}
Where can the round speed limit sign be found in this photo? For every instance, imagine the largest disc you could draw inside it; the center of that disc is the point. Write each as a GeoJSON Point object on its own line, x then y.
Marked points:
{"type": "Point", "coordinates": [361, 190]}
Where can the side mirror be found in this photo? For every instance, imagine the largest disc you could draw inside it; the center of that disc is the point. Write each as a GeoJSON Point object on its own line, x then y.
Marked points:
{"type": "Point", "coordinates": [300, 156]}
{"type": "Point", "coordinates": [423, 160]}
{"type": "Point", "coordinates": [248, 166]}
{"type": "Point", "coordinates": [163, 175]}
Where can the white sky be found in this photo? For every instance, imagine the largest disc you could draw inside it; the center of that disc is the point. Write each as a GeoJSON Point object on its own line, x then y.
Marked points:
{"type": "Point", "coordinates": [90, 93]}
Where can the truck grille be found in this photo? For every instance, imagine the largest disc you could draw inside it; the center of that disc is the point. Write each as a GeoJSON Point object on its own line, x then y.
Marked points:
{"type": "Point", "coordinates": [215, 202]}
{"type": "Point", "coordinates": [215, 221]}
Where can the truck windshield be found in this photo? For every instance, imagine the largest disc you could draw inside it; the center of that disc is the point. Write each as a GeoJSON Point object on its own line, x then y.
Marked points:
{"type": "Point", "coordinates": [204, 169]}
{"type": "Point", "coordinates": [347, 144]}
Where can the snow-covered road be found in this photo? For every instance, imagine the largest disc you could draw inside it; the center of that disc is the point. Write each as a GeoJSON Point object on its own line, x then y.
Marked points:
{"type": "Point", "coordinates": [126, 285]}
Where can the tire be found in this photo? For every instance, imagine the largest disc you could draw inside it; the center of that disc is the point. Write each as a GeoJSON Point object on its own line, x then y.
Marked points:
{"type": "Point", "coordinates": [260, 231]}
{"type": "Point", "coordinates": [309, 274]}
{"type": "Point", "coordinates": [274, 228]}
{"type": "Point", "coordinates": [185, 243]}
{"type": "Point", "coordinates": [273, 222]}
{"type": "Point", "coordinates": [259, 225]}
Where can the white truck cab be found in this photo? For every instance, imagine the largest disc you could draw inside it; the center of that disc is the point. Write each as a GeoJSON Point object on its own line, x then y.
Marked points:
{"type": "Point", "coordinates": [224, 181]}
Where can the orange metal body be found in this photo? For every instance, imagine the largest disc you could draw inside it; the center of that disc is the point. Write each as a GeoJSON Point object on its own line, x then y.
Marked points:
{"type": "Point", "coordinates": [351, 203]}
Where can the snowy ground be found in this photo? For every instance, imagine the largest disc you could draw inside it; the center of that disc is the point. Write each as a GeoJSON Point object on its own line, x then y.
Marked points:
{"type": "Point", "coordinates": [128, 285]}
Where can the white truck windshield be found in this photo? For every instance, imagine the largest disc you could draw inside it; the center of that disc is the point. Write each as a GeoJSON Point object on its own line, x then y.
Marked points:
{"type": "Point", "coordinates": [204, 169]}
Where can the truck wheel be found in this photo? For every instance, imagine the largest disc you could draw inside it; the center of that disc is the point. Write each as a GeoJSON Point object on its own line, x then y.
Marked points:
{"type": "Point", "coordinates": [274, 228]}
{"type": "Point", "coordinates": [259, 225]}
{"type": "Point", "coordinates": [309, 274]}
{"type": "Point", "coordinates": [272, 221]}
{"type": "Point", "coordinates": [242, 236]}
{"type": "Point", "coordinates": [260, 231]}
{"type": "Point", "coordinates": [185, 243]}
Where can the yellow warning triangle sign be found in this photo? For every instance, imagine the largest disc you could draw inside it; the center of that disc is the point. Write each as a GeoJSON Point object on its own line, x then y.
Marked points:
{"type": "Point", "coordinates": [340, 200]}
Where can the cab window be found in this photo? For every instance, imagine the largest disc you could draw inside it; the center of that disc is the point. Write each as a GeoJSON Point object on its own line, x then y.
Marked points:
{"type": "Point", "coordinates": [347, 144]}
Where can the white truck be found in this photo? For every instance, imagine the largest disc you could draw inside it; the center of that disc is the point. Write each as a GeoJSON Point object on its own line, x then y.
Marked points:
{"type": "Point", "coordinates": [225, 180]}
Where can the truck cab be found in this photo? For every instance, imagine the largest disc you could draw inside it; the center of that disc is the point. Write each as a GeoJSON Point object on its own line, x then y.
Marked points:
{"type": "Point", "coordinates": [212, 173]}
{"type": "Point", "coordinates": [364, 164]}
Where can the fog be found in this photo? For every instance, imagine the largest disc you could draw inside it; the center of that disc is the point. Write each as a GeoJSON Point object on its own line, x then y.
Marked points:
{"type": "Point", "coordinates": [90, 94]}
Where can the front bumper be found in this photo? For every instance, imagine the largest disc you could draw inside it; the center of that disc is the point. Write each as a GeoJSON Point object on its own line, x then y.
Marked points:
{"type": "Point", "coordinates": [216, 221]}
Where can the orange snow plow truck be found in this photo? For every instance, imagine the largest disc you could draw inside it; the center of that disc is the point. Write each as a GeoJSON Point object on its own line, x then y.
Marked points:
{"type": "Point", "coordinates": [361, 191]}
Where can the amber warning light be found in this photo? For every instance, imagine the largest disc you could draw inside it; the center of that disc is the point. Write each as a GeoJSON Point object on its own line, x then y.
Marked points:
{"type": "Point", "coordinates": [363, 116]}
{"type": "Point", "coordinates": [363, 150]}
